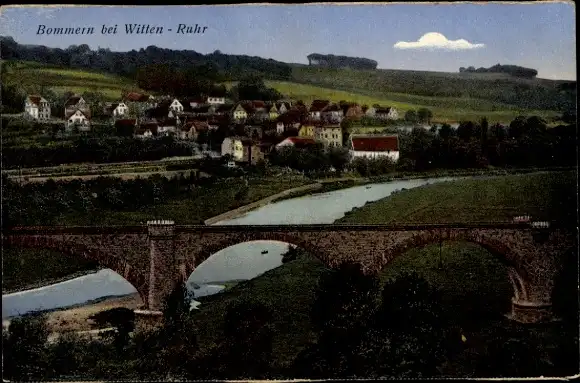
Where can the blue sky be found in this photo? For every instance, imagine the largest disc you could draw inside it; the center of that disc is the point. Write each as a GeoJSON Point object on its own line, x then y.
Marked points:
{"type": "Point", "coordinates": [541, 36]}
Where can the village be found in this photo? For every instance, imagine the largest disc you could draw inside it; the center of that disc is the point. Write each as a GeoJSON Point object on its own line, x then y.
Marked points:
{"type": "Point", "coordinates": [252, 130]}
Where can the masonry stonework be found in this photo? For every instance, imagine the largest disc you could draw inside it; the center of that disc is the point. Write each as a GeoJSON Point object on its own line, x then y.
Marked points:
{"type": "Point", "coordinates": [155, 257]}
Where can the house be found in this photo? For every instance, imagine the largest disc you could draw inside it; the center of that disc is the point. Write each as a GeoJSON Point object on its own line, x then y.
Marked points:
{"type": "Point", "coordinates": [176, 106]}
{"type": "Point", "coordinates": [167, 126]}
{"type": "Point", "coordinates": [370, 111]}
{"type": "Point", "coordinates": [354, 112]}
{"type": "Point", "coordinates": [190, 130]}
{"type": "Point", "coordinates": [78, 119]}
{"type": "Point", "coordinates": [307, 130]}
{"type": "Point", "coordinates": [329, 135]}
{"type": "Point", "coordinates": [214, 99]}
{"type": "Point", "coordinates": [279, 127]}
{"type": "Point", "coordinates": [138, 103]}
{"type": "Point", "coordinates": [234, 147]}
{"type": "Point", "coordinates": [332, 113]}
{"type": "Point", "coordinates": [297, 142]}
{"type": "Point", "coordinates": [386, 113]}
{"type": "Point", "coordinates": [147, 130]}
{"type": "Point", "coordinates": [273, 112]}
{"type": "Point", "coordinates": [37, 107]}
{"type": "Point", "coordinates": [241, 112]}
{"type": "Point", "coordinates": [258, 110]}
{"type": "Point", "coordinates": [283, 107]}
{"type": "Point", "coordinates": [373, 146]}
{"type": "Point", "coordinates": [114, 110]}
{"type": "Point", "coordinates": [316, 108]}
{"type": "Point", "coordinates": [74, 104]}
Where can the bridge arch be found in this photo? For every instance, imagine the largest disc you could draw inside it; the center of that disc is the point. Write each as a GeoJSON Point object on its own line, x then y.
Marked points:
{"type": "Point", "coordinates": [132, 275]}
{"type": "Point", "coordinates": [195, 260]}
{"type": "Point", "coordinates": [499, 250]}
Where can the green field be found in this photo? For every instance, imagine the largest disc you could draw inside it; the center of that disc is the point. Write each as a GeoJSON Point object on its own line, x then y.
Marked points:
{"type": "Point", "coordinates": [445, 109]}
{"type": "Point", "coordinates": [33, 77]}
{"type": "Point", "coordinates": [491, 89]}
{"type": "Point", "coordinates": [544, 196]}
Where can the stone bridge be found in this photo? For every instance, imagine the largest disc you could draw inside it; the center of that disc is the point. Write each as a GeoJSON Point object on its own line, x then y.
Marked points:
{"type": "Point", "coordinates": [153, 258]}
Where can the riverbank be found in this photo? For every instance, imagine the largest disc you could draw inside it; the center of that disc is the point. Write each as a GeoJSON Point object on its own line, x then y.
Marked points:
{"type": "Point", "coordinates": [332, 184]}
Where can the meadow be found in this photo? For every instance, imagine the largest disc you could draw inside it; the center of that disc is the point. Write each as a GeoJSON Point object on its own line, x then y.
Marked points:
{"type": "Point", "coordinates": [445, 109]}
{"type": "Point", "coordinates": [543, 195]}
{"type": "Point", "coordinates": [33, 77]}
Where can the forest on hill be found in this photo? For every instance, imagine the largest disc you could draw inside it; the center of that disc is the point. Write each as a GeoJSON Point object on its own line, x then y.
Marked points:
{"type": "Point", "coordinates": [513, 70]}
{"type": "Point", "coordinates": [332, 61]}
{"type": "Point", "coordinates": [230, 67]}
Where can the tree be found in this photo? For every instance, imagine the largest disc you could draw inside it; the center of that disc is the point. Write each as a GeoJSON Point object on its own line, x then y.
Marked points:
{"type": "Point", "coordinates": [412, 319]}
{"type": "Point", "coordinates": [424, 115]}
{"type": "Point", "coordinates": [341, 313]}
{"type": "Point", "coordinates": [339, 158]}
{"type": "Point", "coordinates": [123, 319]}
{"type": "Point", "coordinates": [411, 116]}
{"type": "Point", "coordinates": [24, 348]}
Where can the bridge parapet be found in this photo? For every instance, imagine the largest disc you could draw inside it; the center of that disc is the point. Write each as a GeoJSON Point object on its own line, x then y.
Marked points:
{"type": "Point", "coordinates": [161, 228]}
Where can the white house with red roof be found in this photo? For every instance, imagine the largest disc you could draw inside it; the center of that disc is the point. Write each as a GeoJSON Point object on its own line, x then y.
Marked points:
{"type": "Point", "coordinates": [374, 146]}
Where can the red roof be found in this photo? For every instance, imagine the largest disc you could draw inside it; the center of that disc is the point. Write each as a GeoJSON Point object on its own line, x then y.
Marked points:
{"type": "Point", "coordinates": [318, 105]}
{"type": "Point", "coordinates": [134, 96]}
{"type": "Point", "coordinates": [35, 99]}
{"type": "Point", "coordinates": [375, 143]}
{"type": "Point", "coordinates": [301, 140]}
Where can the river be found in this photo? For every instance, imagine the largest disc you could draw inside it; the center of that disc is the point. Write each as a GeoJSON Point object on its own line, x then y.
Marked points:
{"type": "Point", "coordinates": [242, 261]}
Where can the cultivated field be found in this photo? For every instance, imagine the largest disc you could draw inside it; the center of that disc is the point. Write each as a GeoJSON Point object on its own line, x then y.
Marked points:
{"type": "Point", "coordinates": [33, 77]}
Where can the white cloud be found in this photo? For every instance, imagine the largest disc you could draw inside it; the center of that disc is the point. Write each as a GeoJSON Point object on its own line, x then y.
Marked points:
{"type": "Point", "coordinates": [434, 40]}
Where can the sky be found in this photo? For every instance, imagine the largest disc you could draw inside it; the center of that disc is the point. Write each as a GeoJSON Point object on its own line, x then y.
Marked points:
{"type": "Point", "coordinates": [434, 37]}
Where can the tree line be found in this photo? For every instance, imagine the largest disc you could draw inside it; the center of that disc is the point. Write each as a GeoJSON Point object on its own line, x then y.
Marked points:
{"type": "Point", "coordinates": [513, 70]}
{"type": "Point", "coordinates": [231, 67]}
{"type": "Point", "coordinates": [332, 61]}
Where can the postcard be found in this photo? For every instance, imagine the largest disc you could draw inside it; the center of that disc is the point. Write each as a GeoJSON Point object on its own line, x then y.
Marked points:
{"type": "Point", "coordinates": [289, 192]}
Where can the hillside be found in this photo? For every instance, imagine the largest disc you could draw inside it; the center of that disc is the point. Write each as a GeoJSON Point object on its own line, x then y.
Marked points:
{"type": "Point", "coordinates": [493, 87]}
{"type": "Point", "coordinates": [34, 77]}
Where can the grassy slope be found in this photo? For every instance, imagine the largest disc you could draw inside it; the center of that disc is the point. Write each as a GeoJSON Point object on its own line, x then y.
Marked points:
{"type": "Point", "coordinates": [445, 109]}
{"type": "Point", "coordinates": [31, 76]}
{"type": "Point", "coordinates": [470, 277]}
{"type": "Point", "coordinates": [549, 195]}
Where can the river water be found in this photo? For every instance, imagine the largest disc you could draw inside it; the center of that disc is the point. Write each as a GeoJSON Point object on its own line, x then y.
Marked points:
{"type": "Point", "coordinates": [242, 261]}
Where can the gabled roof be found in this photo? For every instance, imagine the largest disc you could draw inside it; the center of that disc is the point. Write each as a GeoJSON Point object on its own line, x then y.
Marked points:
{"type": "Point", "coordinates": [137, 97]}
{"type": "Point", "coordinates": [86, 113]}
{"type": "Point", "coordinates": [198, 125]}
{"type": "Point", "coordinates": [36, 99]}
{"type": "Point", "coordinates": [258, 104]}
{"type": "Point", "coordinates": [375, 143]}
{"type": "Point", "coordinates": [318, 105]}
{"type": "Point", "coordinates": [248, 107]}
{"type": "Point", "coordinates": [72, 101]}
{"type": "Point", "coordinates": [300, 142]}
